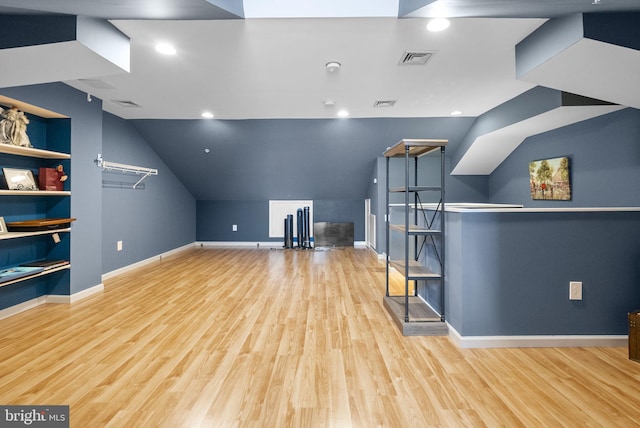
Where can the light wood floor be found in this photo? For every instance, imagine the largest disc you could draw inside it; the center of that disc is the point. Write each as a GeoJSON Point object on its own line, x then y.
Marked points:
{"type": "Point", "coordinates": [274, 338]}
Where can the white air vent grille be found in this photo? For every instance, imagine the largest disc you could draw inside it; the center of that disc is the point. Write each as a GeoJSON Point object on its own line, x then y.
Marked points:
{"type": "Point", "coordinates": [384, 103]}
{"type": "Point", "coordinates": [126, 103]}
{"type": "Point", "coordinates": [415, 58]}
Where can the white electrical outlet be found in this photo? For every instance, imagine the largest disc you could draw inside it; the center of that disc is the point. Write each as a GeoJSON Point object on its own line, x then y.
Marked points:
{"type": "Point", "coordinates": [575, 290]}
{"type": "Point", "coordinates": [119, 246]}
{"type": "Point", "coordinates": [234, 227]}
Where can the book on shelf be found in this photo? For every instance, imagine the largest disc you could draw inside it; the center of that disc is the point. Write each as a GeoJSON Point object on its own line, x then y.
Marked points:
{"type": "Point", "coordinates": [16, 272]}
{"type": "Point", "coordinates": [46, 264]}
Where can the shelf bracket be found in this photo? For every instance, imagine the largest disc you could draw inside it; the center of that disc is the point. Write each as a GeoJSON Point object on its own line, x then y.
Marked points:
{"type": "Point", "coordinates": [126, 169]}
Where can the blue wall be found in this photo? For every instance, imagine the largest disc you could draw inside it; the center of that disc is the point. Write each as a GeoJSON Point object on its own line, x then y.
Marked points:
{"type": "Point", "coordinates": [215, 219]}
{"type": "Point", "coordinates": [509, 273]}
{"type": "Point", "coordinates": [604, 165]}
{"type": "Point", "coordinates": [250, 162]}
{"type": "Point", "coordinates": [156, 217]}
{"type": "Point", "coordinates": [86, 203]}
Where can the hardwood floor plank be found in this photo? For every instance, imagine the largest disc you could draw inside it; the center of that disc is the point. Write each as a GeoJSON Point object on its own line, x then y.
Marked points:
{"type": "Point", "coordinates": [275, 338]}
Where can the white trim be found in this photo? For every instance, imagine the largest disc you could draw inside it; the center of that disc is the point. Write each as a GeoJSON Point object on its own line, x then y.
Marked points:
{"type": "Point", "coordinates": [240, 244]}
{"type": "Point", "coordinates": [548, 341]}
{"type": "Point", "coordinates": [246, 244]}
{"type": "Point", "coordinates": [507, 208]}
{"type": "Point", "coordinates": [156, 258]}
{"type": "Point", "coordinates": [82, 294]}
{"type": "Point", "coordinates": [21, 307]}
{"type": "Point", "coordinates": [50, 298]}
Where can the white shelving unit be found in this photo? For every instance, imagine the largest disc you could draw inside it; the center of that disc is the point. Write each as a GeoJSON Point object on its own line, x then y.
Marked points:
{"type": "Point", "coordinates": [48, 155]}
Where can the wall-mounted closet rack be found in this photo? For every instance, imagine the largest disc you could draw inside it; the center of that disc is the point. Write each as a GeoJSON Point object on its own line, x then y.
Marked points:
{"type": "Point", "coordinates": [127, 169]}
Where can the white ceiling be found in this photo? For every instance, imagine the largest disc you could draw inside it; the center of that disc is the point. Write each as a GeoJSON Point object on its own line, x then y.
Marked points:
{"type": "Point", "coordinates": [269, 67]}
{"type": "Point", "coordinates": [275, 68]}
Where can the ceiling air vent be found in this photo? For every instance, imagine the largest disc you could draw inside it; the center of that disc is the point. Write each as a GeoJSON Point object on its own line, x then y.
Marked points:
{"type": "Point", "coordinates": [415, 58]}
{"type": "Point", "coordinates": [126, 103]}
{"type": "Point", "coordinates": [384, 103]}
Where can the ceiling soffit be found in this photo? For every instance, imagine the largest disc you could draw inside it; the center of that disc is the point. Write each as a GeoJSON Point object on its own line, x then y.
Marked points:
{"type": "Point", "coordinates": [92, 47]}
{"type": "Point", "coordinates": [595, 56]}
{"type": "Point", "coordinates": [592, 55]}
{"type": "Point", "coordinates": [497, 133]}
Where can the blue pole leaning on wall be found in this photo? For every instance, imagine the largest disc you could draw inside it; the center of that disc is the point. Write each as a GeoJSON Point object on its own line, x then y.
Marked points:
{"type": "Point", "coordinates": [300, 227]}
{"type": "Point", "coordinates": [307, 239]}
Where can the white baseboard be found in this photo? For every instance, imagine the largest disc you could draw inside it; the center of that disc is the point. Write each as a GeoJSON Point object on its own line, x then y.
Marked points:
{"type": "Point", "coordinates": [246, 244]}
{"type": "Point", "coordinates": [83, 294]}
{"type": "Point", "coordinates": [51, 298]}
{"type": "Point", "coordinates": [239, 244]}
{"type": "Point", "coordinates": [21, 307]}
{"type": "Point", "coordinates": [156, 258]}
{"type": "Point", "coordinates": [545, 341]}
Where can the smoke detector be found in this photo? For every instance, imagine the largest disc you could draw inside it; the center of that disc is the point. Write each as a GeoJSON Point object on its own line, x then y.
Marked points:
{"type": "Point", "coordinates": [333, 66]}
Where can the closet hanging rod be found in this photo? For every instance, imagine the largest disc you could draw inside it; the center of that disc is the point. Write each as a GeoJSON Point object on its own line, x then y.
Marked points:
{"type": "Point", "coordinates": [124, 168]}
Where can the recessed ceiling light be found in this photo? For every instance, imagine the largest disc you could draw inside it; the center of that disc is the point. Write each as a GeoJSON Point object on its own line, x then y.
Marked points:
{"type": "Point", "coordinates": [333, 66]}
{"type": "Point", "coordinates": [343, 113]}
{"type": "Point", "coordinates": [456, 113]}
{"type": "Point", "coordinates": [165, 49]}
{"type": "Point", "coordinates": [207, 115]}
{"type": "Point", "coordinates": [438, 24]}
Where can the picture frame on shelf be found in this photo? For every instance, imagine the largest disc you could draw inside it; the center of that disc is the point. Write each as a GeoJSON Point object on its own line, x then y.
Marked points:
{"type": "Point", "coordinates": [19, 179]}
{"type": "Point", "coordinates": [3, 226]}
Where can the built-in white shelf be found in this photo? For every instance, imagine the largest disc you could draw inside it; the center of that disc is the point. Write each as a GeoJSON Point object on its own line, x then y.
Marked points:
{"type": "Point", "coordinates": [36, 275]}
{"type": "Point", "coordinates": [35, 193]}
{"type": "Point", "coordinates": [32, 152]}
{"type": "Point", "coordinates": [14, 235]}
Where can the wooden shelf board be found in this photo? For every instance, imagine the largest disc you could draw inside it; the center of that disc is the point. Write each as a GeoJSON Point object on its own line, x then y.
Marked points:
{"type": "Point", "coordinates": [423, 321]}
{"type": "Point", "coordinates": [5, 192]}
{"type": "Point", "coordinates": [417, 147]}
{"type": "Point", "coordinates": [30, 108]}
{"type": "Point", "coordinates": [32, 152]}
{"type": "Point", "coordinates": [36, 275]}
{"type": "Point", "coordinates": [416, 270]}
{"type": "Point", "coordinates": [415, 230]}
{"type": "Point", "coordinates": [15, 235]}
{"type": "Point", "coordinates": [415, 189]}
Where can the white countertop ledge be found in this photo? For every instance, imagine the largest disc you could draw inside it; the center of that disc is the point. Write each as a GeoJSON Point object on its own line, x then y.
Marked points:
{"type": "Point", "coordinates": [507, 208]}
